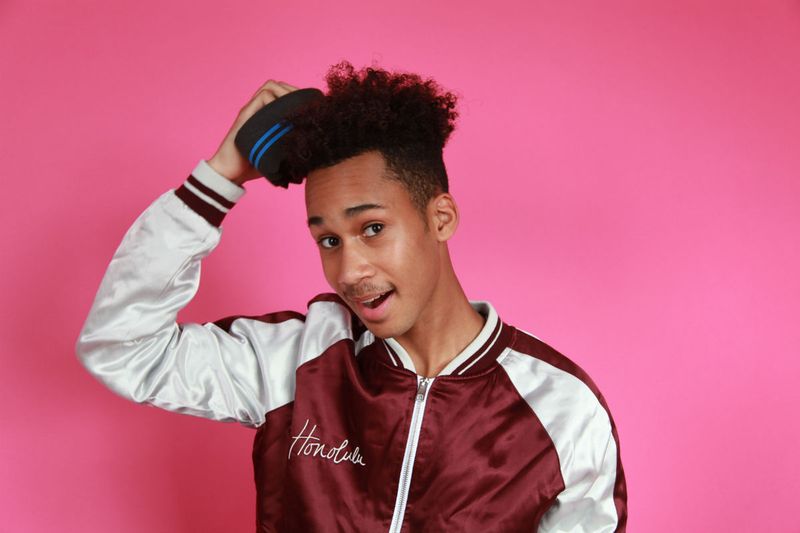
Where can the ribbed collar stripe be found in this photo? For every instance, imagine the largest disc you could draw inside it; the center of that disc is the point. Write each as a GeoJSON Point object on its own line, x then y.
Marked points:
{"type": "Point", "coordinates": [389, 351]}
{"type": "Point", "coordinates": [483, 341]}
{"type": "Point", "coordinates": [486, 343]}
{"type": "Point", "coordinates": [488, 346]}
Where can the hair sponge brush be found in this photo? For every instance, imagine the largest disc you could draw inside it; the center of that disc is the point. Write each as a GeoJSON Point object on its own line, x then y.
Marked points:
{"type": "Point", "coordinates": [261, 139]}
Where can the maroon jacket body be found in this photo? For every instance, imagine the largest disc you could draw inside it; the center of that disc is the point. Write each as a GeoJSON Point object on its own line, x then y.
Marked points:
{"type": "Point", "coordinates": [510, 436]}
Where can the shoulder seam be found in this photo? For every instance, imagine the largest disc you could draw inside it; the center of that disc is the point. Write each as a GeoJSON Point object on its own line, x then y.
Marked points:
{"type": "Point", "coordinates": [276, 317]}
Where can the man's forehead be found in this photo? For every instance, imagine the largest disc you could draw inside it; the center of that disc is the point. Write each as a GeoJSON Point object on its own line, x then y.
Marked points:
{"type": "Point", "coordinates": [350, 211]}
{"type": "Point", "coordinates": [353, 186]}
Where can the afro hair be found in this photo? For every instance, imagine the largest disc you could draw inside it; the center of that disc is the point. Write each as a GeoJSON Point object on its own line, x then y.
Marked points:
{"type": "Point", "coordinates": [407, 119]}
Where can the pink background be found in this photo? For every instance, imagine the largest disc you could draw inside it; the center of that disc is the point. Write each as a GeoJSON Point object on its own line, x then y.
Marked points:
{"type": "Point", "coordinates": [628, 181]}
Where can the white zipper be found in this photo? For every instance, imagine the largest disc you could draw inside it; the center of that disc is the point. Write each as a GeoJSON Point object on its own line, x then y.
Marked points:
{"type": "Point", "coordinates": [423, 385]}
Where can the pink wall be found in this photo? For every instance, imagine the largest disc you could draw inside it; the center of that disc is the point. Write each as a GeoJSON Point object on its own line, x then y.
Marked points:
{"type": "Point", "coordinates": [628, 181]}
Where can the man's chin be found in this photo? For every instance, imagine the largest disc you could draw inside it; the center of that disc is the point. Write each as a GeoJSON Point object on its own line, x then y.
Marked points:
{"type": "Point", "coordinates": [382, 330]}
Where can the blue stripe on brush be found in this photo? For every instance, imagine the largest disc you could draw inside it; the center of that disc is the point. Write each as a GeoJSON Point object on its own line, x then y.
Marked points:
{"type": "Point", "coordinates": [277, 136]}
{"type": "Point", "coordinates": [261, 140]}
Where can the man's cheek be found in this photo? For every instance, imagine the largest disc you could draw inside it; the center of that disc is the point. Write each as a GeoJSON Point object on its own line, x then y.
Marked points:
{"type": "Point", "coordinates": [330, 276]}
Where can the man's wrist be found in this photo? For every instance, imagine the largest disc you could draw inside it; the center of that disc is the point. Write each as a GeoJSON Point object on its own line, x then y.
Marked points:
{"type": "Point", "coordinates": [224, 171]}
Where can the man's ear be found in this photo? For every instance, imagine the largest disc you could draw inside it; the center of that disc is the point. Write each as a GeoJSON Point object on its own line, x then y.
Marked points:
{"type": "Point", "coordinates": [443, 216]}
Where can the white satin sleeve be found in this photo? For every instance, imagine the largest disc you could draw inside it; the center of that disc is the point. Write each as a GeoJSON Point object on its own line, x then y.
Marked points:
{"type": "Point", "coordinates": [132, 343]}
{"type": "Point", "coordinates": [582, 432]}
{"type": "Point", "coordinates": [586, 504]}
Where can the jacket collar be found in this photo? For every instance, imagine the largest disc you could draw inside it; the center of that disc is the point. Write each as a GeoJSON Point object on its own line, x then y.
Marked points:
{"type": "Point", "coordinates": [478, 355]}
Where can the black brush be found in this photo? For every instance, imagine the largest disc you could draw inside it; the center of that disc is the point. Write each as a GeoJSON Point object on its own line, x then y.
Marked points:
{"type": "Point", "coordinates": [261, 140]}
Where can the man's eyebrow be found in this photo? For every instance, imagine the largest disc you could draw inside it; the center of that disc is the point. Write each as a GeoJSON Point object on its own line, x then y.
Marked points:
{"type": "Point", "coordinates": [350, 212]}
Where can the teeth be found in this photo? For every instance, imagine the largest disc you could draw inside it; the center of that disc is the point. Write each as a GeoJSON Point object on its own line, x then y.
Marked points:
{"type": "Point", "coordinates": [372, 300]}
{"type": "Point", "coordinates": [369, 303]}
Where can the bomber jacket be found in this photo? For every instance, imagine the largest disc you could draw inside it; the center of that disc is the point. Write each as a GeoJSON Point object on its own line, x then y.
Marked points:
{"type": "Point", "coordinates": [510, 436]}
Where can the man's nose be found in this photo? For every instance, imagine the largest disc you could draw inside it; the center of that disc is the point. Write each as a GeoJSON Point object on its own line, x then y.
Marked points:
{"type": "Point", "coordinates": [354, 264]}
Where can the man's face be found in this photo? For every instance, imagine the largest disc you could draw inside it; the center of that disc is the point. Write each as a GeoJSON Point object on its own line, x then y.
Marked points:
{"type": "Point", "coordinates": [372, 241]}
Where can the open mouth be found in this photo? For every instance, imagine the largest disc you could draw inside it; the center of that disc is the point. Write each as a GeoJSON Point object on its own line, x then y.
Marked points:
{"type": "Point", "coordinates": [372, 304]}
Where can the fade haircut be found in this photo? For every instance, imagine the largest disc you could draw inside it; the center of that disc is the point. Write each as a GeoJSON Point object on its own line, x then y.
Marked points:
{"type": "Point", "coordinates": [407, 119]}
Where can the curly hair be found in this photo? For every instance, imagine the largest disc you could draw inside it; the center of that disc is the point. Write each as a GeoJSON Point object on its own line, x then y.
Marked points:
{"type": "Point", "coordinates": [407, 119]}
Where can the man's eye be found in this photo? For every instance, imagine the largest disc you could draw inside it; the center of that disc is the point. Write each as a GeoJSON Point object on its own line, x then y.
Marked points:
{"type": "Point", "coordinates": [379, 225]}
{"type": "Point", "coordinates": [323, 240]}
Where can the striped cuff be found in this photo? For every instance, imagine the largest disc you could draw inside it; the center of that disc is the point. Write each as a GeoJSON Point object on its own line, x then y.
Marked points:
{"type": "Point", "coordinates": [209, 194]}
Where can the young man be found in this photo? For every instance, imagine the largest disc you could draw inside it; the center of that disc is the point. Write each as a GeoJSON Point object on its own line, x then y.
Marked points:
{"type": "Point", "coordinates": [394, 403]}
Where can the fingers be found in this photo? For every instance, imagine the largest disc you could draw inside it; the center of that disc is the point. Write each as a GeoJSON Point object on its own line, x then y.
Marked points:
{"type": "Point", "coordinates": [279, 88]}
{"type": "Point", "coordinates": [270, 83]}
{"type": "Point", "coordinates": [265, 94]}
{"type": "Point", "coordinates": [270, 91]}
{"type": "Point", "coordinates": [290, 88]}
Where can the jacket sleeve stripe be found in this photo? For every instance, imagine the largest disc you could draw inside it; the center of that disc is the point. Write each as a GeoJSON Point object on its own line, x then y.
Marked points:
{"type": "Point", "coordinates": [209, 194]}
{"type": "Point", "coordinates": [212, 215]}
{"type": "Point", "coordinates": [223, 202]}
{"type": "Point", "coordinates": [221, 188]}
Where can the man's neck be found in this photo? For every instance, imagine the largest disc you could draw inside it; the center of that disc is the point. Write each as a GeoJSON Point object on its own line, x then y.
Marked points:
{"type": "Point", "coordinates": [447, 326]}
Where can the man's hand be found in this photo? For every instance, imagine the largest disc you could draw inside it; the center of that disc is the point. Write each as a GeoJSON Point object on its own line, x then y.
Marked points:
{"type": "Point", "coordinates": [227, 160]}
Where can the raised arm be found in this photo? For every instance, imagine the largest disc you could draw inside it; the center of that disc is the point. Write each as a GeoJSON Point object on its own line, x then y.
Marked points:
{"type": "Point", "coordinates": [130, 341]}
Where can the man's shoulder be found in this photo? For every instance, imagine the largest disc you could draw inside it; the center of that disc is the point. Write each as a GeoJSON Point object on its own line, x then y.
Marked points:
{"type": "Point", "coordinates": [320, 308]}
{"type": "Point", "coordinates": [530, 345]}
{"type": "Point", "coordinates": [533, 361]}
{"type": "Point", "coordinates": [325, 307]}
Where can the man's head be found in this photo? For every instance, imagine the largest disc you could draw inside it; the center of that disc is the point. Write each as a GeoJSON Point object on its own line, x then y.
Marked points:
{"type": "Point", "coordinates": [377, 191]}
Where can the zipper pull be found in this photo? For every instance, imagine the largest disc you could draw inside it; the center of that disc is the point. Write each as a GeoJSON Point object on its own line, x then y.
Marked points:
{"type": "Point", "coordinates": [422, 388]}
